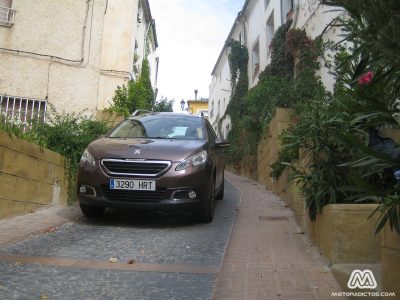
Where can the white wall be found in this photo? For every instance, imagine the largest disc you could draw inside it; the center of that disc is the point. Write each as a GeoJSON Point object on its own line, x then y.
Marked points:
{"type": "Point", "coordinates": [56, 29]}
{"type": "Point", "coordinates": [261, 18]}
{"type": "Point", "coordinates": [314, 17]}
{"type": "Point", "coordinates": [53, 28]}
{"type": "Point", "coordinates": [220, 87]}
{"type": "Point", "coordinates": [253, 26]}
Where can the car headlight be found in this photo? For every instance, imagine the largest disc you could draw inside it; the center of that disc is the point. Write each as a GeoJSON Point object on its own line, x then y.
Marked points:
{"type": "Point", "coordinates": [194, 160]}
{"type": "Point", "coordinates": [88, 158]}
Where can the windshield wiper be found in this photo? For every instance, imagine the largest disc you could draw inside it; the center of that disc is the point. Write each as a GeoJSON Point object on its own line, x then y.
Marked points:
{"type": "Point", "coordinates": [159, 137]}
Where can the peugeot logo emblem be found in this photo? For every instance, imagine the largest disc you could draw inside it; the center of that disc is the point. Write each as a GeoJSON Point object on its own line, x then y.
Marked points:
{"type": "Point", "coordinates": [136, 150]}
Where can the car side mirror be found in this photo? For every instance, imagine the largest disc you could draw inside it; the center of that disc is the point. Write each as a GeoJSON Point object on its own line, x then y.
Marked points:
{"type": "Point", "coordinates": [221, 143]}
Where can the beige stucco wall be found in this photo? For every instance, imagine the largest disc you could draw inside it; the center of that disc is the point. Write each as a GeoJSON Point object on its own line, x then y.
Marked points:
{"type": "Point", "coordinates": [117, 48]}
{"type": "Point", "coordinates": [30, 177]}
{"type": "Point", "coordinates": [54, 28]}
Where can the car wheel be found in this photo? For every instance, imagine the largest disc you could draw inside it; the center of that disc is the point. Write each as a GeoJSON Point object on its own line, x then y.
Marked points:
{"type": "Point", "coordinates": [206, 213]}
{"type": "Point", "coordinates": [91, 211]}
{"type": "Point", "coordinates": [220, 195]}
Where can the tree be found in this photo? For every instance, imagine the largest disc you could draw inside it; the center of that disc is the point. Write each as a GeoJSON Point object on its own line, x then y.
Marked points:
{"type": "Point", "coordinates": [163, 105]}
{"type": "Point", "coordinates": [137, 94]}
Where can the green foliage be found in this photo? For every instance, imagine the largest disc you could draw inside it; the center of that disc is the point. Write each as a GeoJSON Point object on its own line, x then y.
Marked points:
{"type": "Point", "coordinates": [120, 99]}
{"type": "Point", "coordinates": [288, 154]}
{"type": "Point", "coordinates": [374, 30]}
{"type": "Point", "coordinates": [335, 130]}
{"type": "Point", "coordinates": [164, 105]}
{"type": "Point", "coordinates": [136, 95]}
{"type": "Point", "coordinates": [251, 110]}
{"type": "Point", "coordinates": [281, 65]}
{"type": "Point", "coordinates": [68, 134]}
{"type": "Point", "coordinates": [238, 58]}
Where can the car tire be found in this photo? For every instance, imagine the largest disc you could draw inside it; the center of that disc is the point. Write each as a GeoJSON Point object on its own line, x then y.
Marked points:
{"type": "Point", "coordinates": [206, 212]}
{"type": "Point", "coordinates": [91, 211]}
{"type": "Point", "coordinates": [220, 195]}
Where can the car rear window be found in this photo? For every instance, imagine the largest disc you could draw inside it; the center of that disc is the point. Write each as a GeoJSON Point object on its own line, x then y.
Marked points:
{"type": "Point", "coordinates": [158, 126]}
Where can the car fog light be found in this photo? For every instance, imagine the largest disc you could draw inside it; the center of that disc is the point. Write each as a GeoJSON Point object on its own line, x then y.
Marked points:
{"type": "Point", "coordinates": [82, 189]}
{"type": "Point", "coordinates": [192, 195]}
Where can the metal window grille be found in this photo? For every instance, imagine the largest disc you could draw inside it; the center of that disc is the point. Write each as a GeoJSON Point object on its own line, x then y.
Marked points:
{"type": "Point", "coordinates": [22, 112]}
{"type": "Point", "coordinates": [6, 16]}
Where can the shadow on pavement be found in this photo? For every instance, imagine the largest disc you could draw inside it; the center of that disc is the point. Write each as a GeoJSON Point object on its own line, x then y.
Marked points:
{"type": "Point", "coordinates": [144, 218]}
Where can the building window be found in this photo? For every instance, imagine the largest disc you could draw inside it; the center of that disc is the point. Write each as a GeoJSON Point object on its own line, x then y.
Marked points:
{"type": "Point", "coordinates": [22, 112]}
{"type": "Point", "coordinates": [286, 10]}
{"type": "Point", "coordinates": [256, 59]}
{"type": "Point", "coordinates": [6, 13]}
{"type": "Point", "coordinates": [226, 131]}
{"type": "Point", "coordinates": [270, 31]}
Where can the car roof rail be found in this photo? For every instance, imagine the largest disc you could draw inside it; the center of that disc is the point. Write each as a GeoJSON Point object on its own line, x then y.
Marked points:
{"type": "Point", "coordinates": [139, 112]}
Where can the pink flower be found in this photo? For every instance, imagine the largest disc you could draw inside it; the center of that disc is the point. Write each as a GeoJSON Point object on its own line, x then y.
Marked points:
{"type": "Point", "coordinates": [366, 78]}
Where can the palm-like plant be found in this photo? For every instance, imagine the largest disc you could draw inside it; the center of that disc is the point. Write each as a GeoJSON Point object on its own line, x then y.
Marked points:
{"type": "Point", "coordinates": [373, 29]}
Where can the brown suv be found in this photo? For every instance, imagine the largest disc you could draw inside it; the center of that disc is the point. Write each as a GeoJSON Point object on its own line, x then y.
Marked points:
{"type": "Point", "coordinates": [154, 161]}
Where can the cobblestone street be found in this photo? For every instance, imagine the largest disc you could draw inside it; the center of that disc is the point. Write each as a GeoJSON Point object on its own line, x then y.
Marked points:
{"type": "Point", "coordinates": [171, 257]}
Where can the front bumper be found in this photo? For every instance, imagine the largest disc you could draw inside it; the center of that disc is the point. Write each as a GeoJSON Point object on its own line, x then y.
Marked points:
{"type": "Point", "coordinates": [172, 189]}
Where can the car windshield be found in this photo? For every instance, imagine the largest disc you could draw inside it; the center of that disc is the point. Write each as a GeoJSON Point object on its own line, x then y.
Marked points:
{"type": "Point", "coordinates": [157, 126]}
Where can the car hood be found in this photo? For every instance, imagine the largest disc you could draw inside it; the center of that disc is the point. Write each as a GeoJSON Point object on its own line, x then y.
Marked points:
{"type": "Point", "coordinates": [159, 149]}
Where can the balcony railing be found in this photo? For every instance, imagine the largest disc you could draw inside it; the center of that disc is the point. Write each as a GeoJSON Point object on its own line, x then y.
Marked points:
{"type": "Point", "coordinates": [6, 16]}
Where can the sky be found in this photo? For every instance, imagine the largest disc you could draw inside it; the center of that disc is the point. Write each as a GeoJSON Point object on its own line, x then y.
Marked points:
{"type": "Point", "coordinates": [191, 34]}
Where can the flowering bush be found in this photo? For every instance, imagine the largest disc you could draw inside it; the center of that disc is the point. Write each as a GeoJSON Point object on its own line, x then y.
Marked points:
{"type": "Point", "coordinates": [366, 78]}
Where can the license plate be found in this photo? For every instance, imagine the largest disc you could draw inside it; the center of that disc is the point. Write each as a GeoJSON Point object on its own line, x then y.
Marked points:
{"type": "Point", "coordinates": [133, 185]}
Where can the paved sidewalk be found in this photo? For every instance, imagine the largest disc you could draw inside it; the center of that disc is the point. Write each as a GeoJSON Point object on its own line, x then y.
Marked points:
{"type": "Point", "coordinates": [268, 257]}
{"type": "Point", "coordinates": [46, 219]}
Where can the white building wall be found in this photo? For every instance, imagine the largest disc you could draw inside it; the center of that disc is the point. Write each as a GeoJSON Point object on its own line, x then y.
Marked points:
{"type": "Point", "coordinates": [74, 53]}
{"type": "Point", "coordinates": [258, 14]}
{"type": "Point", "coordinates": [125, 27]}
{"type": "Point", "coordinates": [314, 17]}
{"type": "Point", "coordinates": [220, 89]}
{"type": "Point", "coordinates": [55, 29]}
{"type": "Point", "coordinates": [117, 48]}
{"type": "Point", "coordinates": [252, 27]}
{"type": "Point", "coordinates": [261, 18]}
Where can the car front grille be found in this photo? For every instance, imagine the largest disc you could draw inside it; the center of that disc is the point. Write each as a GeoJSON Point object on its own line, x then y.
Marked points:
{"type": "Point", "coordinates": [134, 196]}
{"type": "Point", "coordinates": [144, 168]}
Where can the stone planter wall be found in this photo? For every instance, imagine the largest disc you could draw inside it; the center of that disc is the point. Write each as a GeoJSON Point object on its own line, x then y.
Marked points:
{"type": "Point", "coordinates": [346, 235]}
{"type": "Point", "coordinates": [269, 146]}
{"type": "Point", "coordinates": [30, 177]}
{"type": "Point", "coordinates": [343, 232]}
{"type": "Point", "coordinates": [391, 261]}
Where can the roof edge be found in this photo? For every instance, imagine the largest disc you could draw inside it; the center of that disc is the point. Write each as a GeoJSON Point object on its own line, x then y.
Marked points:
{"type": "Point", "coordinates": [239, 15]}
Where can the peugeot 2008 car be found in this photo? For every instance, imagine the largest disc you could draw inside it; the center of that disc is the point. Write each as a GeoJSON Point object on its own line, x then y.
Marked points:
{"type": "Point", "coordinates": [154, 161]}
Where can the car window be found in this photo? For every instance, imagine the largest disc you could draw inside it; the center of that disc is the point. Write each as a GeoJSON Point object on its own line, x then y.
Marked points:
{"type": "Point", "coordinates": [129, 128]}
{"type": "Point", "coordinates": [159, 126]}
